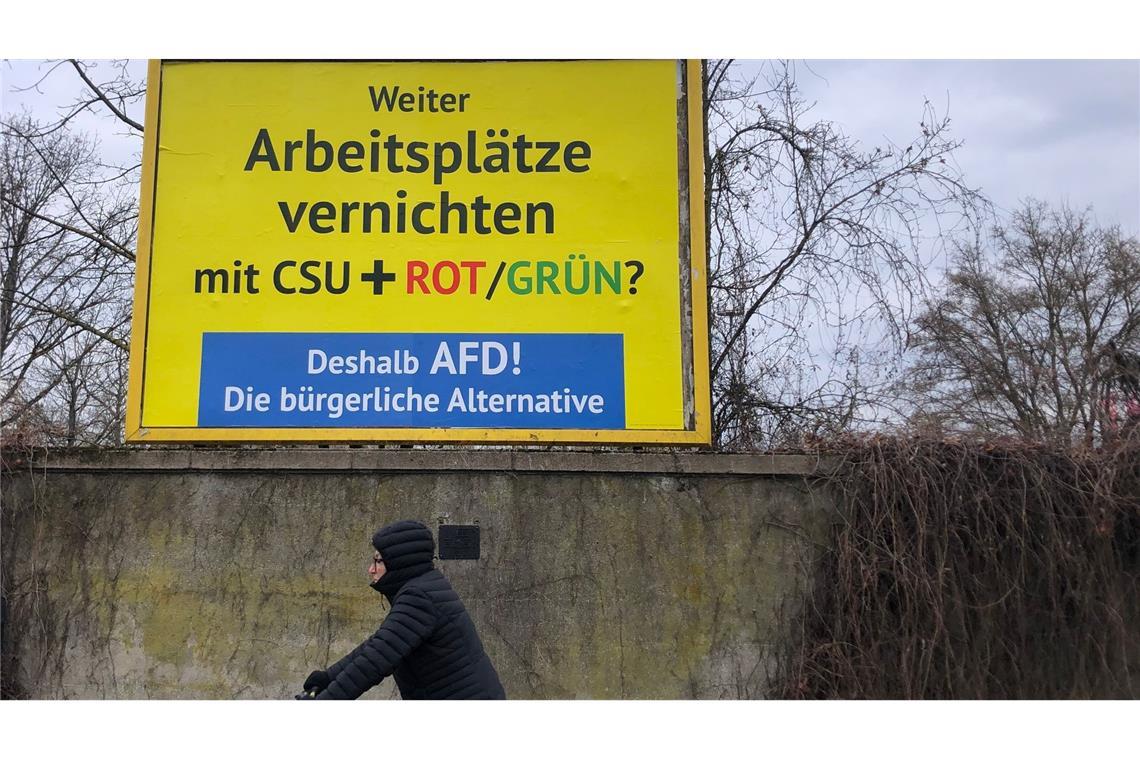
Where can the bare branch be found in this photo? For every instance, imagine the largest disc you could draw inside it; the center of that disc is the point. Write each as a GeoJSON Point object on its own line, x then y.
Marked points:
{"type": "Point", "coordinates": [103, 97]}
{"type": "Point", "coordinates": [103, 241]}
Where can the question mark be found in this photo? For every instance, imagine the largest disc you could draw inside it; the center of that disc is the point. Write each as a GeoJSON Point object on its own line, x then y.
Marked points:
{"type": "Point", "coordinates": [633, 280]}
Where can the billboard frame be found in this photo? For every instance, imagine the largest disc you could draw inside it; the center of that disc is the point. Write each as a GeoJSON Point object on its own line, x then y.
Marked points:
{"type": "Point", "coordinates": [695, 371]}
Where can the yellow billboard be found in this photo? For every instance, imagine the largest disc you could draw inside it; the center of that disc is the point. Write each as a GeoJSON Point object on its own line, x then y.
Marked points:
{"type": "Point", "coordinates": [495, 252]}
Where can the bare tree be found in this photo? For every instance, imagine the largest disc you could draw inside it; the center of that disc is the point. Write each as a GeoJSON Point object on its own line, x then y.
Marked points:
{"type": "Point", "coordinates": [68, 221]}
{"type": "Point", "coordinates": [816, 248]}
{"type": "Point", "coordinates": [1035, 338]}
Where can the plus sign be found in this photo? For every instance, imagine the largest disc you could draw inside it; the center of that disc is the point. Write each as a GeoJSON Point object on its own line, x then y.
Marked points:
{"type": "Point", "coordinates": [378, 277]}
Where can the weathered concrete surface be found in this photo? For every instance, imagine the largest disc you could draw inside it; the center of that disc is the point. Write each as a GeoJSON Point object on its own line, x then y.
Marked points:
{"type": "Point", "coordinates": [194, 573]}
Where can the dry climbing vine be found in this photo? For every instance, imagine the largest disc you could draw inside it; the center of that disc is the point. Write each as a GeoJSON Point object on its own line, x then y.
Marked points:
{"type": "Point", "coordinates": [973, 570]}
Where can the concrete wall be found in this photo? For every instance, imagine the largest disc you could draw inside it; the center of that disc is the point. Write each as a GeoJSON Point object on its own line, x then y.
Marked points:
{"type": "Point", "coordinates": [195, 573]}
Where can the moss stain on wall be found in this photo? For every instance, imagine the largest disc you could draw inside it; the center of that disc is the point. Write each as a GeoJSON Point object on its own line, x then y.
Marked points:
{"type": "Point", "coordinates": [208, 585]}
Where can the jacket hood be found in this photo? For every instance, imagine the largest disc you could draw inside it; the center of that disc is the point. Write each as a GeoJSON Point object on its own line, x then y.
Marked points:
{"type": "Point", "coordinates": [407, 548]}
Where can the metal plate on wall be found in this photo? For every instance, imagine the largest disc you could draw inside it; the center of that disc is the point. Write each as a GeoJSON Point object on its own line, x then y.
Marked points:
{"type": "Point", "coordinates": [458, 542]}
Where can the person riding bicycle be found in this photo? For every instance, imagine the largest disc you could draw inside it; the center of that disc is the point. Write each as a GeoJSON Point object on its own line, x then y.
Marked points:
{"type": "Point", "coordinates": [427, 642]}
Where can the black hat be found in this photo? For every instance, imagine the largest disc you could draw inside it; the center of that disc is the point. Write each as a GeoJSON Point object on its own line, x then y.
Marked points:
{"type": "Point", "coordinates": [407, 548]}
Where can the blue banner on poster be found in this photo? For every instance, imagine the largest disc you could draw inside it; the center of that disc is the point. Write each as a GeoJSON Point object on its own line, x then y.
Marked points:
{"type": "Point", "coordinates": [415, 380]}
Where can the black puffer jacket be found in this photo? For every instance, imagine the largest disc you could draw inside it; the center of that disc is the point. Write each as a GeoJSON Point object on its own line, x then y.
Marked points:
{"type": "Point", "coordinates": [428, 641]}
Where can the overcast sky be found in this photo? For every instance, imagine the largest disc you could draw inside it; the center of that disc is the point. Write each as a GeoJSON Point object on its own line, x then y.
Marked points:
{"type": "Point", "coordinates": [1062, 131]}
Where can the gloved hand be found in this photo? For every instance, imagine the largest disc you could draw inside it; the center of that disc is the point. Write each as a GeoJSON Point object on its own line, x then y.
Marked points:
{"type": "Point", "coordinates": [317, 681]}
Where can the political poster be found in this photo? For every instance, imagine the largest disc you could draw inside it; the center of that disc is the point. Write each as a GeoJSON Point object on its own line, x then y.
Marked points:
{"type": "Point", "coordinates": [473, 251]}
